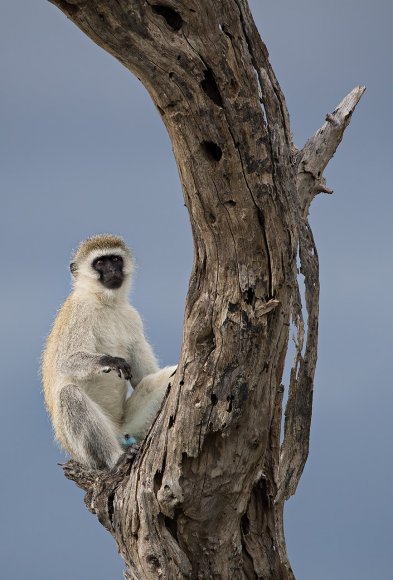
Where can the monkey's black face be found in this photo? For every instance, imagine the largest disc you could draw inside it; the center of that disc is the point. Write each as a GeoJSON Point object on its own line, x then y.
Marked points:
{"type": "Point", "coordinates": [110, 269]}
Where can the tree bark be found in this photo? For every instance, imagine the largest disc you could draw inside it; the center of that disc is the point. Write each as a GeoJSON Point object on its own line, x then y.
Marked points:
{"type": "Point", "coordinates": [203, 496]}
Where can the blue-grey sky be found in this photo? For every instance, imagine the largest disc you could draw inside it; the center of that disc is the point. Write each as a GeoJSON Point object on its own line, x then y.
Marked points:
{"type": "Point", "coordinates": [82, 151]}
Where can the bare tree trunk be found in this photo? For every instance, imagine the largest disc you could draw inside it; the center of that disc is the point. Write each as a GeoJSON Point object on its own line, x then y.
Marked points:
{"type": "Point", "coordinates": [203, 497]}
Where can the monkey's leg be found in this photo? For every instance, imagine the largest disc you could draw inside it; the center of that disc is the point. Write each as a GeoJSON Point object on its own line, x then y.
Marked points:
{"type": "Point", "coordinates": [142, 406]}
{"type": "Point", "coordinates": [89, 434]}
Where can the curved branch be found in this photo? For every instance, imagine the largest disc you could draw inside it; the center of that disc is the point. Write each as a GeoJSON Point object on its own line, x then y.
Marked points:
{"type": "Point", "coordinates": [321, 147]}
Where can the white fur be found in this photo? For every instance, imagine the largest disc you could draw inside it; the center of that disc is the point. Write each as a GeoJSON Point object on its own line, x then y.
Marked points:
{"type": "Point", "coordinates": [145, 401]}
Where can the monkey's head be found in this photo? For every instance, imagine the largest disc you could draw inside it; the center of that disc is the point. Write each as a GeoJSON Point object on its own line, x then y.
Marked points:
{"type": "Point", "coordinates": [102, 263]}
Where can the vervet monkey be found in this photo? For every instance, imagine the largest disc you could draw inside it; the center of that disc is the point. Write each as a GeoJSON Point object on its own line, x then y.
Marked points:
{"type": "Point", "coordinates": [96, 346]}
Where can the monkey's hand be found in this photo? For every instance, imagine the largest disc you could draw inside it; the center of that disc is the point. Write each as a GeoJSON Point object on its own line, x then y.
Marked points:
{"type": "Point", "coordinates": [115, 363]}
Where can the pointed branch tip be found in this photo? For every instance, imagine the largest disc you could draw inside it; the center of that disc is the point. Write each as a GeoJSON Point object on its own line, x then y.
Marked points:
{"type": "Point", "coordinates": [318, 150]}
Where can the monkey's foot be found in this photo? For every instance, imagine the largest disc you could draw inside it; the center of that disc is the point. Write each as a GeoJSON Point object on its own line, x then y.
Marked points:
{"type": "Point", "coordinates": [127, 441]}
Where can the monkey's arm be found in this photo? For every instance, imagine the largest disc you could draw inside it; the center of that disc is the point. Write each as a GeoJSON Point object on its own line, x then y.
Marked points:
{"type": "Point", "coordinates": [142, 358]}
{"type": "Point", "coordinates": [77, 356]}
{"type": "Point", "coordinates": [143, 361]}
{"type": "Point", "coordinates": [84, 365]}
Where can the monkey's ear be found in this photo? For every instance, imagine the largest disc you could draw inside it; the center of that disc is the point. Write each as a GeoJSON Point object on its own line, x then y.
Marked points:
{"type": "Point", "coordinates": [73, 268]}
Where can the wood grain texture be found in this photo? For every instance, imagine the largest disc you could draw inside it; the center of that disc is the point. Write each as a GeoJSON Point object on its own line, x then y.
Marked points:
{"type": "Point", "coordinates": [321, 147]}
{"type": "Point", "coordinates": [203, 496]}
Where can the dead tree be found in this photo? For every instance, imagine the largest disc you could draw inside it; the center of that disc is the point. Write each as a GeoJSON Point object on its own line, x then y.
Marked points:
{"type": "Point", "coordinates": [203, 496]}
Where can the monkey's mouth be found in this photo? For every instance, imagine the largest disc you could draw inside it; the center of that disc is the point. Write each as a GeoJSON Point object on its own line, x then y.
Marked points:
{"type": "Point", "coordinates": [112, 283]}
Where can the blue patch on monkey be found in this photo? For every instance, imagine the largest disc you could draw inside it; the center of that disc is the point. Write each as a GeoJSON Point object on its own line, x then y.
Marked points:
{"type": "Point", "coordinates": [127, 440]}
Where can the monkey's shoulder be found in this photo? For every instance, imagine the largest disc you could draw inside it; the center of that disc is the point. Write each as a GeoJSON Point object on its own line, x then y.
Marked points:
{"type": "Point", "coordinates": [73, 315]}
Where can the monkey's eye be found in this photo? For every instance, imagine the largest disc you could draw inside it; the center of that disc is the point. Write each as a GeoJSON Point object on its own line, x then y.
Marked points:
{"type": "Point", "coordinates": [99, 262]}
{"type": "Point", "coordinates": [115, 259]}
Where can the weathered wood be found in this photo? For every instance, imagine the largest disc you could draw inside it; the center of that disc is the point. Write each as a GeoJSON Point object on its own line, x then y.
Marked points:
{"type": "Point", "coordinates": [203, 497]}
{"type": "Point", "coordinates": [321, 147]}
{"type": "Point", "coordinates": [311, 162]}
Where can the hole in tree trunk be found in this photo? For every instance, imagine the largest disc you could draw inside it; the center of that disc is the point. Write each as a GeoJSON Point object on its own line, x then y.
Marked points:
{"type": "Point", "coordinates": [171, 526]}
{"type": "Point", "coordinates": [210, 87]}
{"type": "Point", "coordinates": [157, 481]}
{"type": "Point", "coordinates": [211, 150]}
{"type": "Point", "coordinates": [250, 295]}
{"type": "Point", "coordinates": [111, 509]}
{"type": "Point", "coordinates": [245, 524]}
{"type": "Point", "coordinates": [172, 18]}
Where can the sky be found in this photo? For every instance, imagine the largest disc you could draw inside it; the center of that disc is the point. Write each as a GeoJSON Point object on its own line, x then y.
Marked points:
{"type": "Point", "coordinates": [83, 151]}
